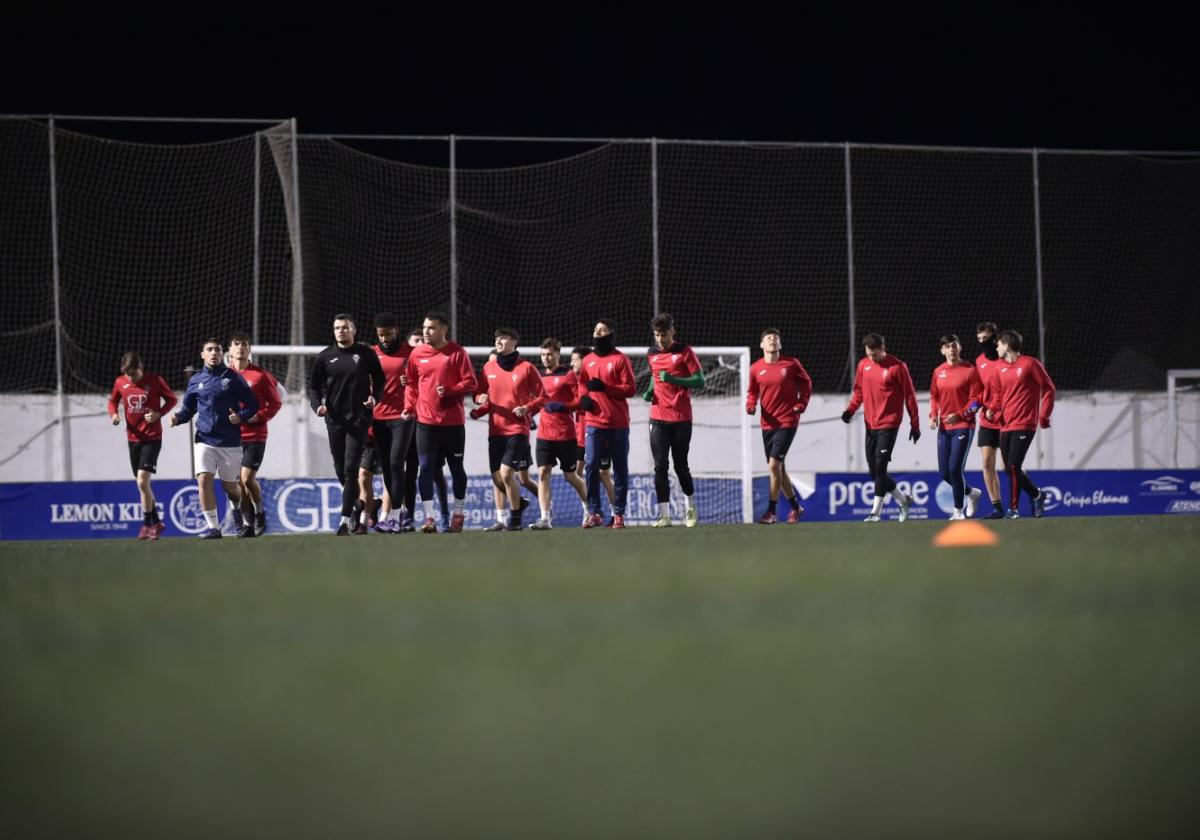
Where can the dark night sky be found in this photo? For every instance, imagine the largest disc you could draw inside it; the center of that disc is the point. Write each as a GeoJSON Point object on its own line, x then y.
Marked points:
{"type": "Point", "coordinates": [765, 73]}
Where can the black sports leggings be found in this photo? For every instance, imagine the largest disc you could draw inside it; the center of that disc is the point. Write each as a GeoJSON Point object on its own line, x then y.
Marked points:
{"type": "Point", "coordinates": [346, 446]}
{"type": "Point", "coordinates": [1013, 447]}
{"type": "Point", "coordinates": [880, 443]}
{"type": "Point", "coordinates": [671, 440]}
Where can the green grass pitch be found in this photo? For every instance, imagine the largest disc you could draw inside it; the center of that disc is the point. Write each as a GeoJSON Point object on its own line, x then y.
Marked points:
{"type": "Point", "coordinates": [840, 680]}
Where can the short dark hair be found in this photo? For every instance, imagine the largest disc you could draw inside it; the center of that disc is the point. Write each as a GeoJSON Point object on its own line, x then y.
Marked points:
{"type": "Point", "coordinates": [873, 341]}
{"type": "Point", "coordinates": [551, 343]}
{"type": "Point", "coordinates": [948, 338]}
{"type": "Point", "coordinates": [131, 361]}
{"type": "Point", "coordinates": [581, 351]}
{"type": "Point", "coordinates": [985, 326]}
{"type": "Point", "coordinates": [244, 338]}
{"type": "Point", "coordinates": [662, 322]}
{"type": "Point", "coordinates": [384, 320]}
{"type": "Point", "coordinates": [416, 331]}
{"type": "Point", "coordinates": [768, 331]}
{"type": "Point", "coordinates": [212, 340]}
{"type": "Point", "coordinates": [439, 316]}
{"type": "Point", "coordinates": [1012, 338]}
{"type": "Point", "coordinates": [342, 316]}
{"type": "Point", "coordinates": [507, 332]}
{"type": "Point", "coordinates": [608, 323]}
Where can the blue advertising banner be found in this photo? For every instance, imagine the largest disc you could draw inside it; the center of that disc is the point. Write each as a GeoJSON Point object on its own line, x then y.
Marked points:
{"type": "Point", "coordinates": [99, 509]}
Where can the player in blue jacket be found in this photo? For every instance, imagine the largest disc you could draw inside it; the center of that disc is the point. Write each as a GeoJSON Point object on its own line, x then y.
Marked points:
{"type": "Point", "coordinates": [221, 400]}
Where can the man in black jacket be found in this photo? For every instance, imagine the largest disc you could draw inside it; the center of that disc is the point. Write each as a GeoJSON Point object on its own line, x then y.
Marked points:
{"type": "Point", "coordinates": [345, 377]}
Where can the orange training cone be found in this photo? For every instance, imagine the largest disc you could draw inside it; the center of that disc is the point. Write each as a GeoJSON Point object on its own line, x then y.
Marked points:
{"type": "Point", "coordinates": [966, 533]}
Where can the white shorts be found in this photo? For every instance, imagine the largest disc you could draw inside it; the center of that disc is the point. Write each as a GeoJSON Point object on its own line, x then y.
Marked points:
{"type": "Point", "coordinates": [224, 461]}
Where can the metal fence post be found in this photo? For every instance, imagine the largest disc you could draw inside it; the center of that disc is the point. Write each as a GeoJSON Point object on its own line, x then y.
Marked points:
{"type": "Point", "coordinates": [654, 218]}
{"type": "Point", "coordinates": [254, 278]}
{"type": "Point", "coordinates": [1044, 441]}
{"type": "Point", "coordinates": [453, 238]}
{"type": "Point", "coordinates": [850, 292]}
{"type": "Point", "coordinates": [64, 426]}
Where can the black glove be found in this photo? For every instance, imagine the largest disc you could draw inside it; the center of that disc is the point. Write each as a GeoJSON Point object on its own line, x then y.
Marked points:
{"type": "Point", "coordinates": [532, 425]}
{"type": "Point", "coordinates": [846, 415]}
{"type": "Point", "coordinates": [594, 385]}
{"type": "Point", "coordinates": [587, 404]}
{"type": "Point", "coordinates": [914, 434]}
{"type": "Point", "coordinates": [554, 407]}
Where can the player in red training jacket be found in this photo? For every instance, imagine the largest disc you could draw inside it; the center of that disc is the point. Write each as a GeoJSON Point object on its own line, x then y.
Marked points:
{"type": "Point", "coordinates": [607, 379]}
{"type": "Point", "coordinates": [393, 432]}
{"type": "Point", "coordinates": [1022, 402]}
{"type": "Point", "coordinates": [780, 387]}
{"type": "Point", "coordinates": [556, 431]}
{"type": "Point", "coordinates": [987, 363]}
{"type": "Point", "coordinates": [955, 395]}
{"type": "Point", "coordinates": [440, 376]}
{"type": "Point", "coordinates": [254, 433]}
{"type": "Point", "coordinates": [146, 398]}
{"type": "Point", "coordinates": [883, 386]}
{"type": "Point", "coordinates": [511, 389]}
{"type": "Point", "coordinates": [674, 373]}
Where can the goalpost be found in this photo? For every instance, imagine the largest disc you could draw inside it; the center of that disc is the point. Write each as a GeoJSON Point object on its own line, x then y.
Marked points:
{"type": "Point", "coordinates": [721, 456]}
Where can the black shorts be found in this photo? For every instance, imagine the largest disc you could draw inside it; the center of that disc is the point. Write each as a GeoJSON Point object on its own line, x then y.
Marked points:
{"type": "Point", "coordinates": [509, 450]}
{"type": "Point", "coordinates": [581, 458]}
{"type": "Point", "coordinates": [562, 452]}
{"type": "Point", "coordinates": [144, 456]}
{"type": "Point", "coordinates": [252, 454]}
{"type": "Point", "coordinates": [777, 442]}
{"type": "Point", "coordinates": [370, 458]}
{"type": "Point", "coordinates": [987, 437]}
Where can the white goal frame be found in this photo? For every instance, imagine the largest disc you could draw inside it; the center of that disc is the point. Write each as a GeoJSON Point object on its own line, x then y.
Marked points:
{"type": "Point", "coordinates": [745, 424]}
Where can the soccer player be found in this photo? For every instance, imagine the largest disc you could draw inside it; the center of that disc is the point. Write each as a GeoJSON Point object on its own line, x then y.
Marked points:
{"type": "Point", "coordinates": [608, 381]}
{"type": "Point", "coordinates": [511, 389]}
{"type": "Point", "coordinates": [413, 464]}
{"type": "Point", "coordinates": [955, 394]}
{"type": "Point", "coordinates": [577, 356]}
{"type": "Point", "coordinates": [556, 434]}
{"type": "Point", "coordinates": [345, 377]}
{"type": "Point", "coordinates": [393, 433]}
{"type": "Point", "coordinates": [782, 387]}
{"type": "Point", "coordinates": [221, 401]}
{"type": "Point", "coordinates": [146, 398]}
{"type": "Point", "coordinates": [674, 372]}
{"type": "Point", "coordinates": [439, 377]}
{"type": "Point", "coordinates": [254, 432]}
{"type": "Point", "coordinates": [883, 386]}
{"type": "Point", "coordinates": [1022, 401]}
{"type": "Point", "coordinates": [987, 363]}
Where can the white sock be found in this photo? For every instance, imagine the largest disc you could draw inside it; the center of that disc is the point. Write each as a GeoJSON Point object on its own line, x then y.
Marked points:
{"type": "Point", "coordinates": [502, 516]}
{"type": "Point", "coordinates": [210, 519]}
{"type": "Point", "coordinates": [690, 502]}
{"type": "Point", "coordinates": [877, 506]}
{"type": "Point", "coordinates": [900, 498]}
{"type": "Point", "coordinates": [585, 507]}
{"type": "Point", "coordinates": [345, 521]}
{"type": "Point", "coordinates": [958, 510]}
{"type": "Point", "coordinates": [428, 505]}
{"type": "Point", "coordinates": [664, 509]}
{"type": "Point", "coordinates": [459, 504]}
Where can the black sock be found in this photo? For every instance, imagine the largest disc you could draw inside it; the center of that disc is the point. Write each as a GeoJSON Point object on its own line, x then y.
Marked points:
{"type": "Point", "coordinates": [998, 506]}
{"type": "Point", "coordinates": [356, 512]}
{"type": "Point", "coordinates": [794, 502]}
{"type": "Point", "coordinates": [237, 517]}
{"type": "Point", "coordinates": [771, 506]}
{"type": "Point", "coordinates": [147, 517]}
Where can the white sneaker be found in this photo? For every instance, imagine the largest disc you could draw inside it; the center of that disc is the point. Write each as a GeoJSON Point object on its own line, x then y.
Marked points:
{"type": "Point", "coordinates": [904, 508]}
{"type": "Point", "coordinates": [692, 518]}
{"type": "Point", "coordinates": [958, 514]}
{"type": "Point", "coordinates": [541, 525]}
{"type": "Point", "coordinates": [663, 521]}
{"type": "Point", "coordinates": [874, 517]}
{"type": "Point", "coordinates": [972, 500]}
